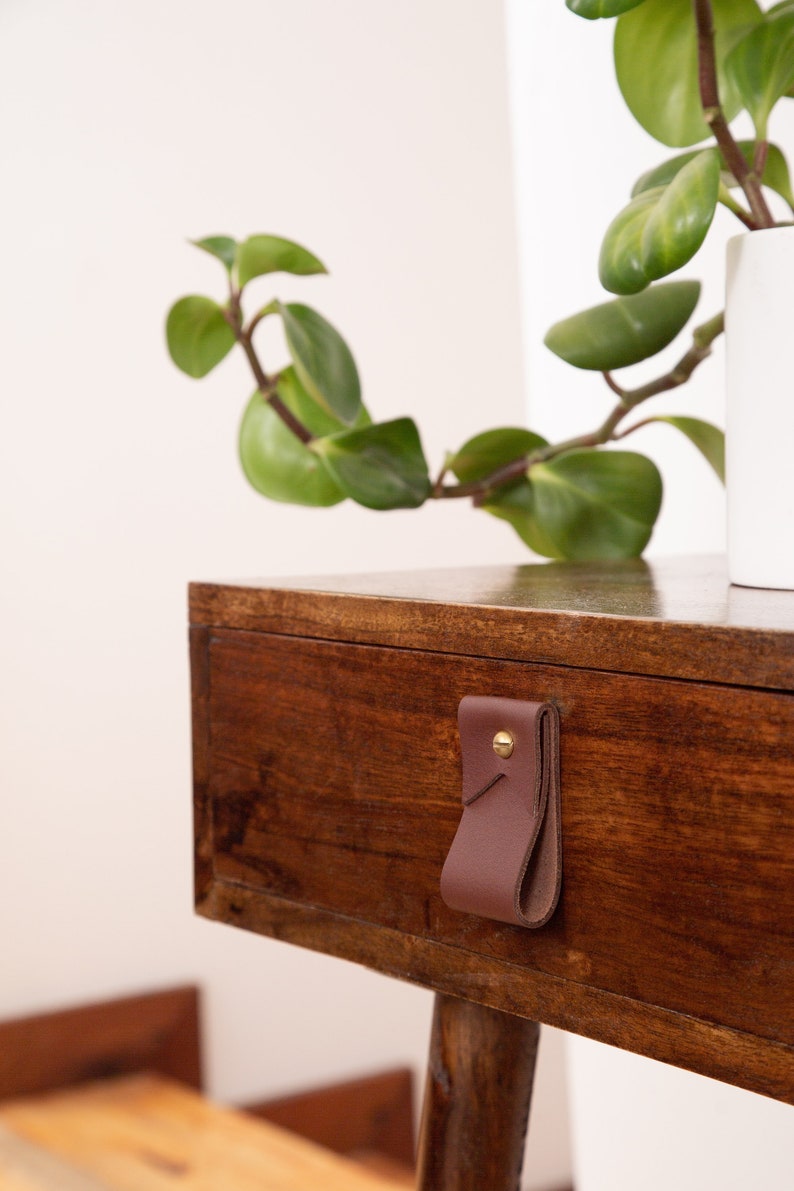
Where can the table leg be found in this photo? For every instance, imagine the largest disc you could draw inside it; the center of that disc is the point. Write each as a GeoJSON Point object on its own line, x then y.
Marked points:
{"type": "Point", "coordinates": [479, 1084]}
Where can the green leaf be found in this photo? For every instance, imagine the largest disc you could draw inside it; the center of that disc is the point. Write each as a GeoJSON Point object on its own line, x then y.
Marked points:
{"type": "Point", "coordinates": [277, 464]}
{"type": "Point", "coordinates": [222, 247]}
{"type": "Point", "coordinates": [323, 361]}
{"type": "Point", "coordinates": [761, 67]}
{"type": "Point", "coordinates": [677, 225]}
{"type": "Point", "coordinates": [306, 409]}
{"type": "Point", "coordinates": [776, 171]}
{"type": "Point", "coordinates": [271, 254]}
{"type": "Point", "coordinates": [380, 466]}
{"type": "Point", "coordinates": [482, 455]}
{"type": "Point", "coordinates": [626, 330]}
{"type": "Point", "coordinates": [275, 461]}
{"type": "Point", "coordinates": [585, 505]}
{"type": "Point", "coordinates": [708, 439]}
{"type": "Point", "coordinates": [783, 9]}
{"type": "Point", "coordinates": [663, 174]}
{"type": "Point", "coordinates": [620, 267]}
{"type": "Point", "coordinates": [656, 65]}
{"type": "Point", "coordinates": [515, 504]}
{"type": "Point", "coordinates": [592, 10]}
{"type": "Point", "coordinates": [197, 334]}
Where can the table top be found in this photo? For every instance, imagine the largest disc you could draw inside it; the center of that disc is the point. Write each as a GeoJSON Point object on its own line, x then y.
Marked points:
{"type": "Point", "coordinates": [679, 617]}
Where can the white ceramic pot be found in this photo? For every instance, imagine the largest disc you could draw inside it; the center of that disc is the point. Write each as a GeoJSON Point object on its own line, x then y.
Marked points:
{"type": "Point", "coordinates": [759, 466]}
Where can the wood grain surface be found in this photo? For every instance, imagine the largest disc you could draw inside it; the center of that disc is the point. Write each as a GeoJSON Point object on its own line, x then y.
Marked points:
{"type": "Point", "coordinates": [152, 1031]}
{"type": "Point", "coordinates": [677, 618]}
{"type": "Point", "coordinates": [335, 781]}
{"type": "Point", "coordinates": [146, 1133]}
{"type": "Point", "coordinates": [747, 1060]}
{"type": "Point", "coordinates": [477, 1095]}
{"type": "Point", "coordinates": [330, 785]}
{"type": "Point", "coordinates": [202, 830]}
{"type": "Point", "coordinates": [373, 1114]}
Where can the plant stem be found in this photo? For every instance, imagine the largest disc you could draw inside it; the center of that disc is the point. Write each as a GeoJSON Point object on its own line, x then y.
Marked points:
{"type": "Point", "coordinates": [727, 200]}
{"type": "Point", "coordinates": [480, 490]}
{"type": "Point", "coordinates": [714, 116]}
{"type": "Point", "coordinates": [635, 426]}
{"type": "Point", "coordinates": [437, 490]}
{"type": "Point", "coordinates": [266, 385]}
{"type": "Point", "coordinates": [702, 339]}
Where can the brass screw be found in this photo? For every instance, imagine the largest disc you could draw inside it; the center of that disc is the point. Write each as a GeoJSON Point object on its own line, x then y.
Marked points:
{"type": "Point", "coordinates": [503, 744]}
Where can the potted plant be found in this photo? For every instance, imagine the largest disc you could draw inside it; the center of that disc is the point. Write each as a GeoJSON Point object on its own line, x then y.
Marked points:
{"type": "Point", "coordinates": [686, 68]}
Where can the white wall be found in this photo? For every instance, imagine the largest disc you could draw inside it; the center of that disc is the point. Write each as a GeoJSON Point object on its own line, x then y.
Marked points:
{"type": "Point", "coordinates": [377, 134]}
{"type": "Point", "coordinates": [636, 1124]}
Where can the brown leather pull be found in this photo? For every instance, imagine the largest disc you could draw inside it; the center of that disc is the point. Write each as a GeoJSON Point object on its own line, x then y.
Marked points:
{"type": "Point", "coordinates": [506, 858]}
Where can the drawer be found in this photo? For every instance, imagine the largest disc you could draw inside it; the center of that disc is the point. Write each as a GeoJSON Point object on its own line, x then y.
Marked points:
{"type": "Point", "coordinates": [328, 794]}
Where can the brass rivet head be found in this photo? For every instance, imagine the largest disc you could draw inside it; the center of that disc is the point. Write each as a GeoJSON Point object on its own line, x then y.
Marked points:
{"type": "Point", "coordinates": [503, 744]}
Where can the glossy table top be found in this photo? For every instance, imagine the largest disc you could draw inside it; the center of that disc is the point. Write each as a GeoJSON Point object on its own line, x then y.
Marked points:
{"type": "Point", "coordinates": [563, 613]}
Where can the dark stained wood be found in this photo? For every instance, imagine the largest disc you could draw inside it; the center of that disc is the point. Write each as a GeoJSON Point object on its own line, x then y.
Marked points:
{"type": "Point", "coordinates": [373, 1114]}
{"type": "Point", "coordinates": [676, 618]}
{"type": "Point", "coordinates": [202, 826]}
{"type": "Point", "coordinates": [479, 1085]}
{"type": "Point", "coordinates": [153, 1032]}
{"type": "Point", "coordinates": [746, 1060]}
{"type": "Point", "coordinates": [335, 782]}
{"type": "Point", "coordinates": [330, 794]}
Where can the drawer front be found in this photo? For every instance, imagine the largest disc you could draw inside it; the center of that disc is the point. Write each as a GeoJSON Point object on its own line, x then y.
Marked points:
{"type": "Point", "coordinates": [334, 782]}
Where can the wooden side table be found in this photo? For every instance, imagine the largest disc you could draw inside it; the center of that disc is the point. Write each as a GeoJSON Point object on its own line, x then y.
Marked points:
{"type": "Point", "coordinates": [327, 793]}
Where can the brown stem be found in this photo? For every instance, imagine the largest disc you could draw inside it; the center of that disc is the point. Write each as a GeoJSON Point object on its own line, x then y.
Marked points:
{"type": "Point", "coordinates": [255, 321]}
{"type": "Point", "coordinates": [264, 383]}
{"type": "Point", "coordinates": [702, 339]}
{"type": "Point", "coordinates": [437, 491]}
{"type": "Point", "coordinates": [739, 212]}
{"type": "Point", "coordinates": [288, 418]}
{"type": "Point", "coordinates": [714, 116]}
{"type": "Point", "coordinates": [635, 426]}
{"type": "Point", "coordinates": [480, 490]}
{"type": "Point", "coordinates": [613, 384]}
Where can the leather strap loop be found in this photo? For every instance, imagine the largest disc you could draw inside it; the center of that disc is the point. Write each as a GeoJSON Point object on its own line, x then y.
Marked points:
{"type": "Point", "coordinates": [506, 858]}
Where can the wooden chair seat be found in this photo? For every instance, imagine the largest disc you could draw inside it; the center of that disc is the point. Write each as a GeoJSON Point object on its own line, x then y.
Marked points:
{"type": "Point", "coordinates": [150, 1133]}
